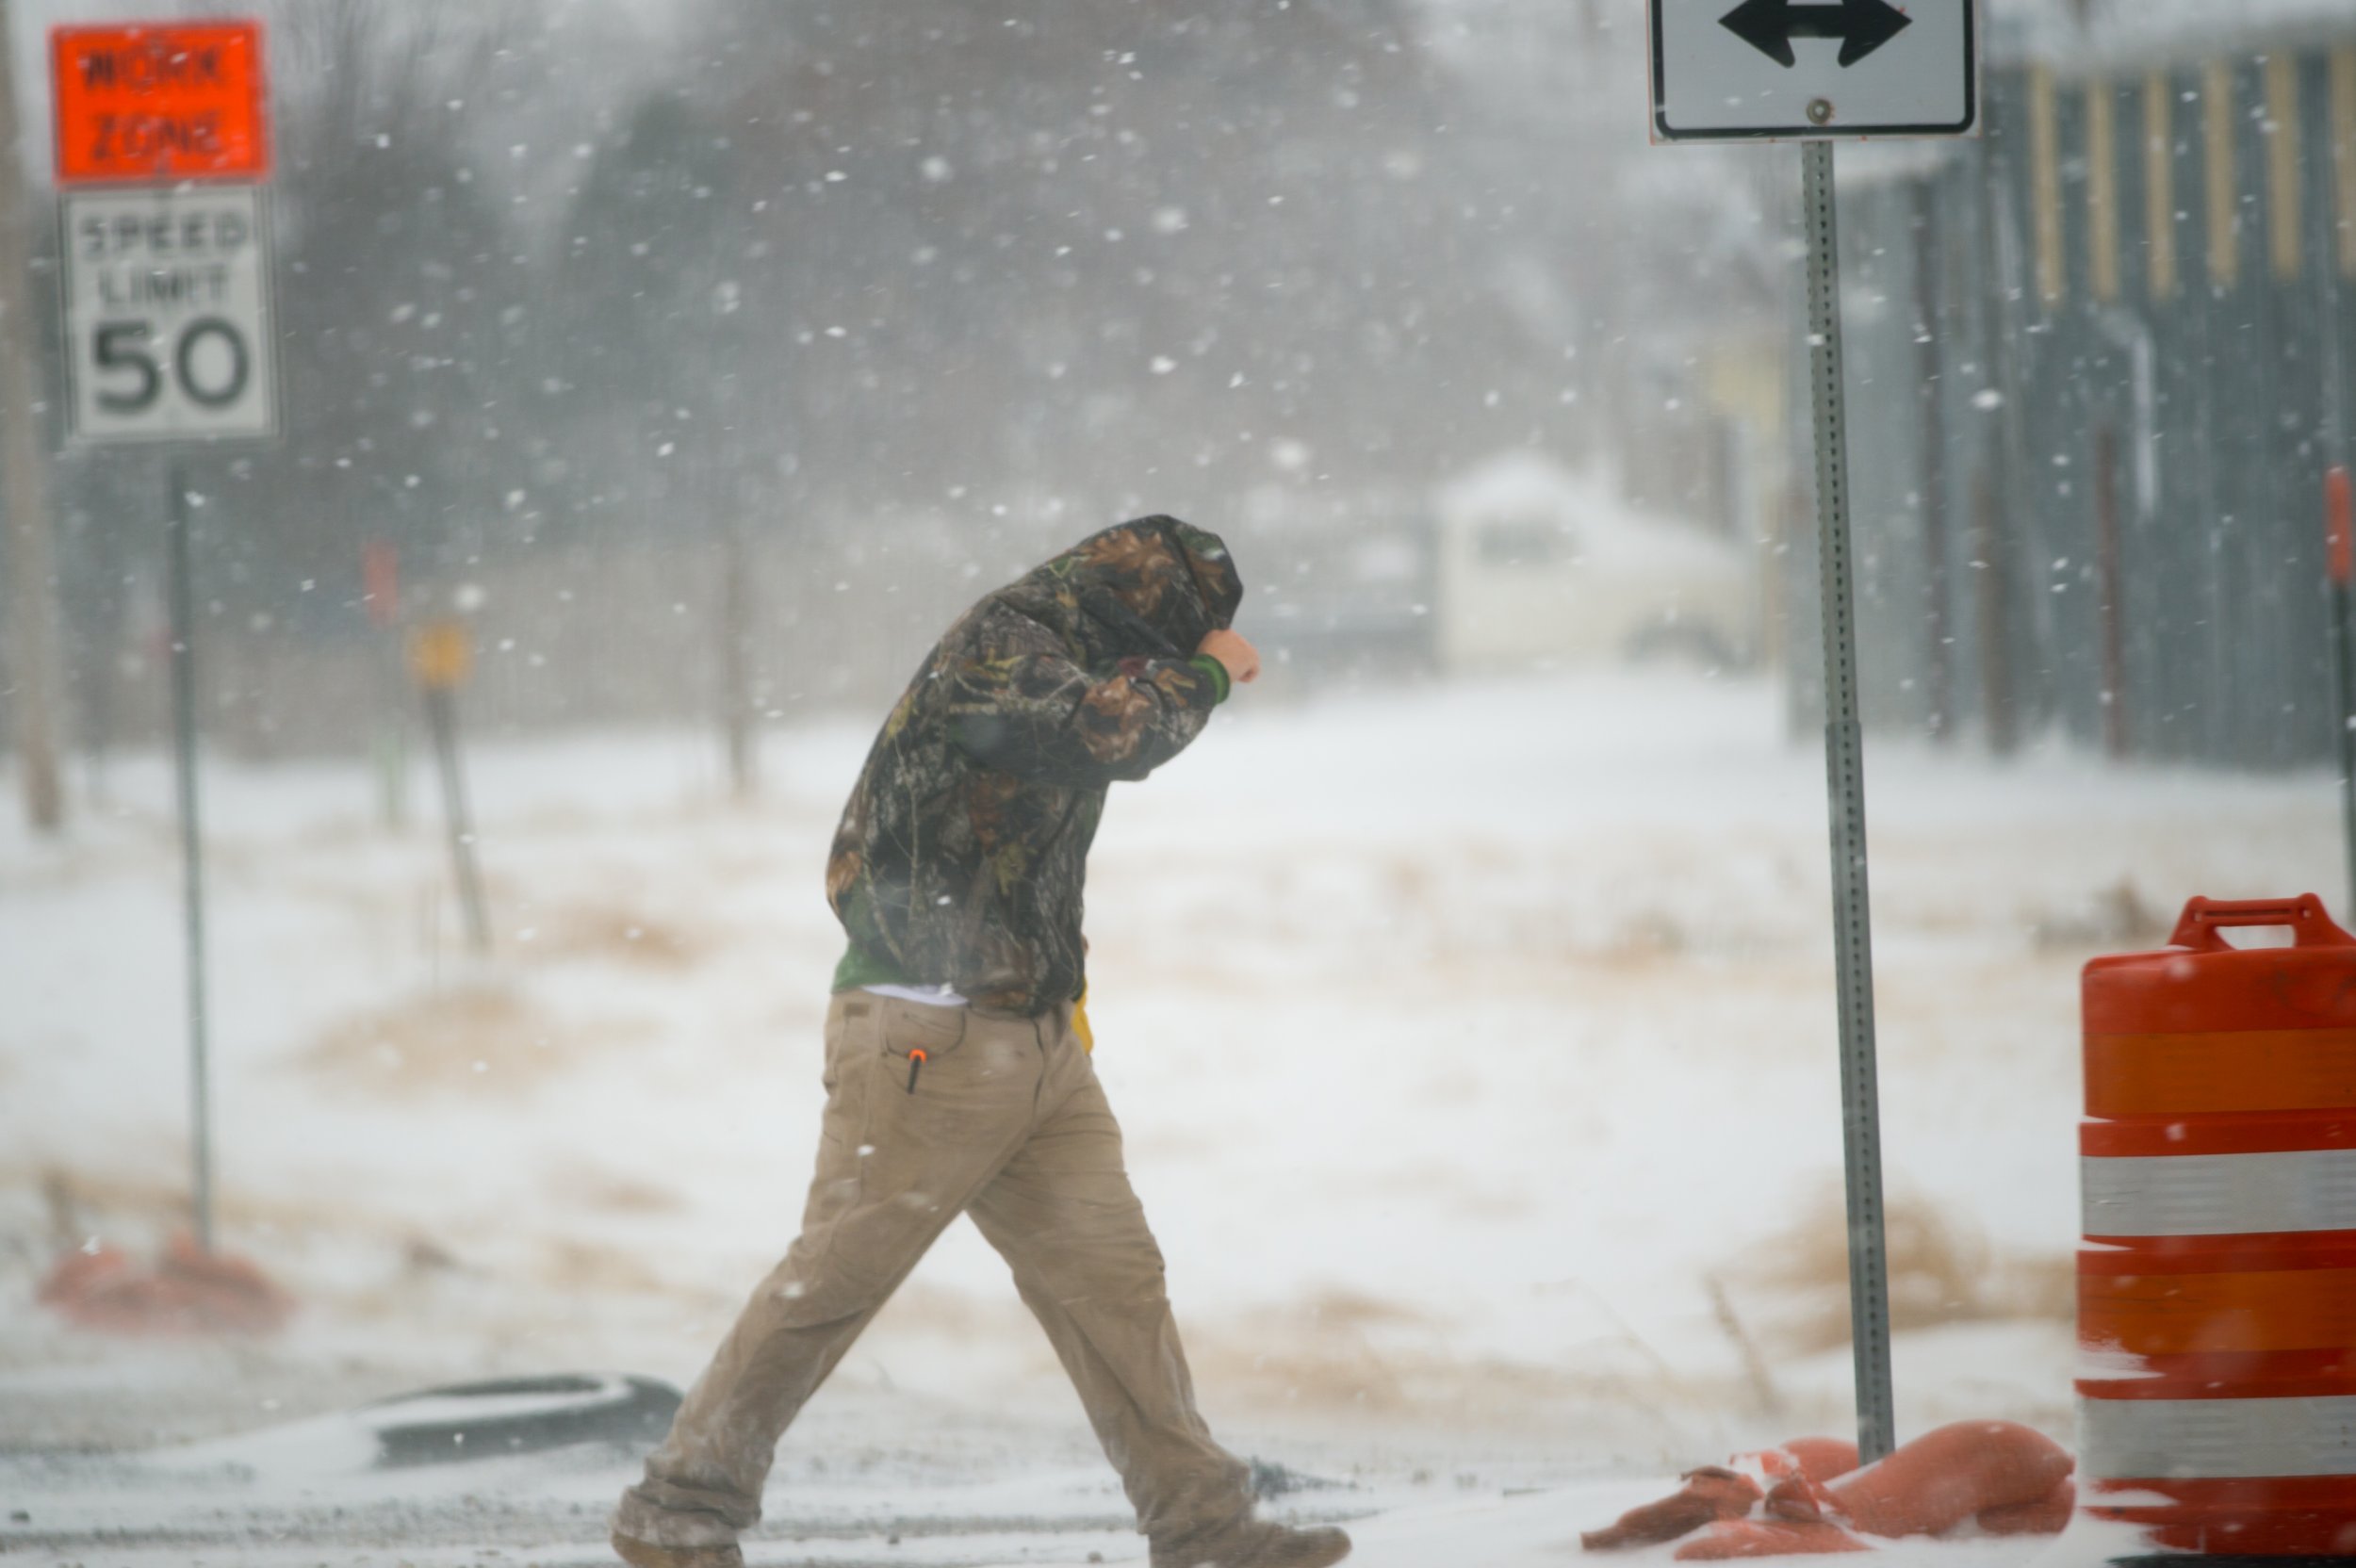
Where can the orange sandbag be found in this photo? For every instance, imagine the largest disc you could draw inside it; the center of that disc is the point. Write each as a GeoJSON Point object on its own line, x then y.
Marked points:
{"type": "Point", "coordinates": [2048, 1515]}
{"type": "Point", "coordinates": [1709, 1495]}
{"type": "Point", "coordinates": [190, 1292]}
{"type": "Point", "coordinates": [2007, 1478]}
{"type": "Point", "coordinates": [83, 1273]}
{"type": "Point", "coordinates": [1715, 1493]}
{"type": "Point", "coordinates": [1819, 1459]}
{"type": "Point", "coordinates": [1941, 1478]}
{"type": "Point", "coordinates": [1768, 1538]}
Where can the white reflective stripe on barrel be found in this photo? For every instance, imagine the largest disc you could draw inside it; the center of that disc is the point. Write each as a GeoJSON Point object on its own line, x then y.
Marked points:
{"type": "Point", "coordinates": [2220, 1195]}
{"type": "Point", "coordinates": [2215, 1439]}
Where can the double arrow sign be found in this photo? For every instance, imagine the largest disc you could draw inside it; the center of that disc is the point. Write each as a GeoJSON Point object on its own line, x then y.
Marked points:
{"type": "Point", "coordinates": [1770, 25]}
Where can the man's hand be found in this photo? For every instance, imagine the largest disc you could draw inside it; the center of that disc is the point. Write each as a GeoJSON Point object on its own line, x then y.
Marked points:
{"type": "Point", "coordinates": [1229, 648]}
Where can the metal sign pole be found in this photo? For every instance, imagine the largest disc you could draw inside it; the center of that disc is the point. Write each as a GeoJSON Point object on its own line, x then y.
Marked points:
{"type": "Point", "coordinates": [2339, 506]}
{"type": "Point", "coordinates": [441, 714]}
{"type": "Point", "coordinates": [441, 657]}
{"type": "Point", "coordinates": [191, 842]}
{"type": "Point", "coordinates": [1844, 768]}
{"type": "Point", "coordinates": [2344, 677]}
{"type": "Point", "coordinates": [1769, 68]}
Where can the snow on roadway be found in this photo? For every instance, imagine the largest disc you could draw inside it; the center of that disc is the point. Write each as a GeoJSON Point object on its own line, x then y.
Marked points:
{"type": "Point", "coordinates": [1475, 1046]}
{"type": "Point", "coordinates": [543, 1513]}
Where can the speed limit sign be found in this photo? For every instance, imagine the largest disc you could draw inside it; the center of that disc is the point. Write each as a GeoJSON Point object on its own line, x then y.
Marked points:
{"type": "Point", "coordinates": [167, 313]}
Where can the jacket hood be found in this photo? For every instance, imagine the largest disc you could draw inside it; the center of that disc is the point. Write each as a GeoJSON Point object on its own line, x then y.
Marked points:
{"type": "Point", "coordinates": [1153, 586]}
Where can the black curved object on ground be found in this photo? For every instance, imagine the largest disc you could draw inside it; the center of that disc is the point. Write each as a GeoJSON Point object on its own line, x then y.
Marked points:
{"type": "Point", "coordinates": [518, 1416]}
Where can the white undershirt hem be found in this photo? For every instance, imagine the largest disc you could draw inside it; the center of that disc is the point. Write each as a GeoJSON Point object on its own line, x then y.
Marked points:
{"type": "Point", "coordinates": [928, 996]}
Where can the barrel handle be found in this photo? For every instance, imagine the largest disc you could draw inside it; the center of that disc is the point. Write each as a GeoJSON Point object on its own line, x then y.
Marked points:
{"type": "Point", "coordinates": [2310, 926]}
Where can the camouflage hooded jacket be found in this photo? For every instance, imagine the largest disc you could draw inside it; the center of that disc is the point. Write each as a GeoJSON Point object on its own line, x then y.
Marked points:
{"type": "Point", "coordinates": [961, 855]}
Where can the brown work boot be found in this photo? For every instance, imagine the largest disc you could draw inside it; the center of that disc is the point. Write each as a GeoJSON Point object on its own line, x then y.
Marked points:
{"type": "Point", "coordinates": [645, 1554]}
{"type": "Point", "coordinates": [1254, 1543]}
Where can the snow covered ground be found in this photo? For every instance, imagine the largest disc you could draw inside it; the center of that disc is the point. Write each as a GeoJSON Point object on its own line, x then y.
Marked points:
{"type": "Point", "coordinates": [1475, 1046]}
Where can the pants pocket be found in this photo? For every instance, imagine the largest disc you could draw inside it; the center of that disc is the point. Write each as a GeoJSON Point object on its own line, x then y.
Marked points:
{"type": "Point", "coordinates": [911, 1027]}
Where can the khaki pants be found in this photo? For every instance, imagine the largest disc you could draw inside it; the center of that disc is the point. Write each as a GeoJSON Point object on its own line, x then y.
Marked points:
{"type": "Point", "coordinates": [1008, 1123]}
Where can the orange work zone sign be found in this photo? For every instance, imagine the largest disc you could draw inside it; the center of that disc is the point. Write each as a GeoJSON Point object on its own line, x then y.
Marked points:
{"type": "Point", "coordinates": [158, 102]}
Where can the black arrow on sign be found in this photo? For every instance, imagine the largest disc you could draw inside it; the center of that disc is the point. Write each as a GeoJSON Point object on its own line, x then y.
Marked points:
{"type": "Point", "coordinates": [1770, 25]}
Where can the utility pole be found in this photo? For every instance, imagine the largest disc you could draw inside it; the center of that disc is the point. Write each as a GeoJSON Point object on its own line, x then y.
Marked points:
{"type": "Point", "coordinates": [36, 664]}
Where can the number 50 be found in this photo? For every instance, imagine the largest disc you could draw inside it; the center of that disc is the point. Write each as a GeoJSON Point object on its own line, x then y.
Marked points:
{"type": "Point", "coordinates": [206, 380]}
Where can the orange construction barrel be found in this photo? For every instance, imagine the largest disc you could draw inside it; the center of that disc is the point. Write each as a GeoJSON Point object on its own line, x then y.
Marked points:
{"type": "Point", "coordinates": [2216, 1288]}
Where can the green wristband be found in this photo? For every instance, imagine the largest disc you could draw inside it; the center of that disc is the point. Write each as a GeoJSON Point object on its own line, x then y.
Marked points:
{"type": "Point", "coordinates": [1216, 671]}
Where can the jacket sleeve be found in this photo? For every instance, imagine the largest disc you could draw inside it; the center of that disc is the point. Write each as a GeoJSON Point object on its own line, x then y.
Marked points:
{"type": "Point", "coordinates": [1019, 704]}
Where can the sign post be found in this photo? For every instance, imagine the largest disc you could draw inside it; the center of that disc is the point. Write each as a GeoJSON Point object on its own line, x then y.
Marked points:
{"type": "Point", "coordinates": [441, 655]}
{"type": "Point", "coordinates": [163, 159]}
{"type": "Point", "coordinates": [1814, 73]}
{"type": "Point", "coordinates": [380, 595]}
{"type": "Point", "coordinates": [2339, 510]}
{"type": "Point", "coordinates": [183, 595]}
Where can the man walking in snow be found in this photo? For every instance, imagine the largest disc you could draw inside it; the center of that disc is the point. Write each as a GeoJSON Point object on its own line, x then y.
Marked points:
{"type": "Point", "coordinates": [958, 1074]}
